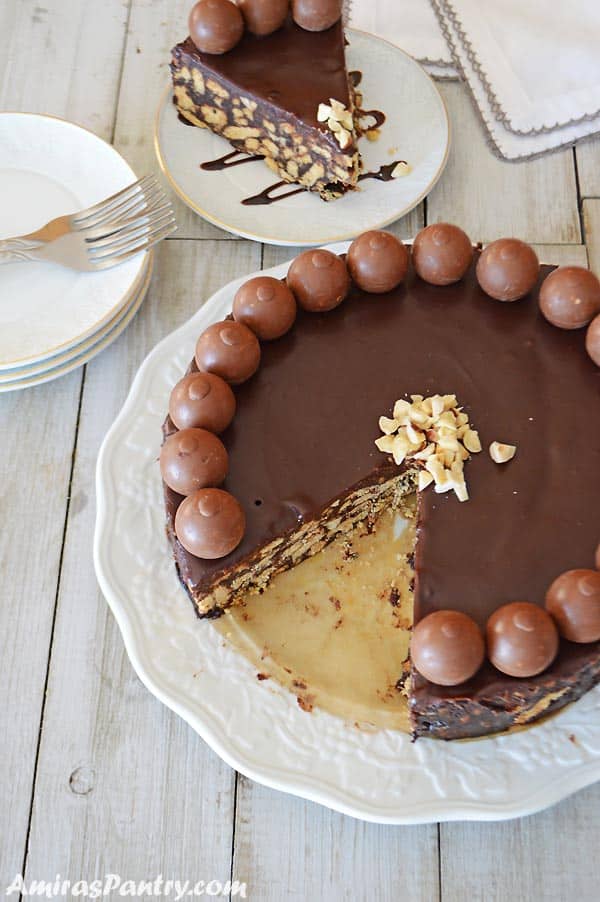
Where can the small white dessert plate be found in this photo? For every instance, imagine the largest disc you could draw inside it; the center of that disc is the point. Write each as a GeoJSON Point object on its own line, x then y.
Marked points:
{"type": "Point", "coordinates": [84, 352]}
{"type": "Point", "coordinates": [416, 130]}
{"type": "Point", "coordinates": [20, 373]}
{"type": "Point", "coordinates": [50, 167]}
{"type": "Point", "coordinates": [257, 727]}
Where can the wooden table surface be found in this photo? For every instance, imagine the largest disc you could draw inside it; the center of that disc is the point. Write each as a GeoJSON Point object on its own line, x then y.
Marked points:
{"type": "Point", "coordinates": [97, 776]}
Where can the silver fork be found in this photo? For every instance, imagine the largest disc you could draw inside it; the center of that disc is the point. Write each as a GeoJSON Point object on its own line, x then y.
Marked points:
{"type": "Point", "coordinates": [110, 232]}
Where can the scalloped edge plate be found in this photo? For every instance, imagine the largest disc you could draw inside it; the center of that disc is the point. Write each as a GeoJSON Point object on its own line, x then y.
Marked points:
{"type": "Point", "coordinates": [257, 727]}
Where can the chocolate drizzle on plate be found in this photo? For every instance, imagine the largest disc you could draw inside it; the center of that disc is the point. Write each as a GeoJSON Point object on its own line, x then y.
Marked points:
{"type": "Point", "coordinates": [378, 117]}
{"type": "Point", "coordinates": [265, 197]}
{"type": "Point", "coordinates": [233, 158]}
{"type": "Point", "coordinates": [383, 174]}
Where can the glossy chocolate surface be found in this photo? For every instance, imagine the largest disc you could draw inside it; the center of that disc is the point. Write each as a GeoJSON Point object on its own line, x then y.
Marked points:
{"type": "Point", "coordinates": [319, 280]}
{"type": "Point", "coordinates": [442, 253]}
{"type": "Point", "coordinates": [290, 50]}
{"type": "Point", "coordinates": [508, 269]}
{"type": "Point", "coordinates": [377, 261]}
{"type": "Point", "coordinates": [316, 15]}
{"type": "Point", "coordinates": [447, 647]}
{"type": "Point", "coordinates": [265, 305]}
{"type": "Point", "coordinates": [592, 340]}
{"type": "Point", "coordinates": [193, 459]}
{"type": "Point", "coordinates": [573, 599]}
{"type": "Point", "coordinates": [215, 25]}
{"type": "Point", "coordinates": [264, 16]}
{"type": "Point", "coordinates": [202, 400]}
{"type": "Point", "coordinates": [521, 639]}
{"type": "Point", "coordinates": [230, 350]}
{"type": "Point", "coordinates": [210, 523]}
{"type": "Point", "coordinates": [570, 297]}
{"type": "Point", "coordinates": [524, 523]}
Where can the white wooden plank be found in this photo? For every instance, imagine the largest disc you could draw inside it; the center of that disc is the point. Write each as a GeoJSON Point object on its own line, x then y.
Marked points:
{"type": "Point", "coordinates": [60, 57]}
{"type": "Point", "coordinates": [535, 200]}
{"type": "Point", "coordinates": [591, 219]}
{"type": "Point", "coordinates": [123, 785]}
{"type": "Point", "coordinates": [294, 850]}
{"type": "Point", "coordinates": [551, 856]}
{"type": "Point", "coordinates": [562, 254]}
{"type": "Point", "coordinates": [588, 166]}
{"type": "Point", "coordinates": [63, 57]}
{"type": "Point", "coordinates": [37, 428]}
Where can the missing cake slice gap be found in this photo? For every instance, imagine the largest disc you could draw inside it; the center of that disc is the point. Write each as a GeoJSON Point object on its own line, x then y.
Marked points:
{"type": "Point", "coordinates": [335, 629]}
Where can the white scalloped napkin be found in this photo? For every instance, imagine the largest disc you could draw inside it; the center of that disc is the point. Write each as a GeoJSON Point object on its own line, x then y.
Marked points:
{"type": "Point", "coordinates": [540, 61]}
{"type": "Point", "coordinates": [411, 25]}
{"type": "Point", "coordinates": [533, 69]}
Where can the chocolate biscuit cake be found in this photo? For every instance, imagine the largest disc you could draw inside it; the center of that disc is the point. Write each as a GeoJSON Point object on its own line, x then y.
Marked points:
{"type": "Point", "coordinates": [359, 380]}
{"type": "Point", "coordinates": [274, 84]}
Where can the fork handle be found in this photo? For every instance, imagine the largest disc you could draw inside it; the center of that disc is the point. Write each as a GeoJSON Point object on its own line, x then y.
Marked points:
{"type": "Point", "coordinates": [17, 250]}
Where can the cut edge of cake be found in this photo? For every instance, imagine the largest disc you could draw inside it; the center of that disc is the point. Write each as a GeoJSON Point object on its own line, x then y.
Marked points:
{"type": "Point", "coordinates": [362, 504]}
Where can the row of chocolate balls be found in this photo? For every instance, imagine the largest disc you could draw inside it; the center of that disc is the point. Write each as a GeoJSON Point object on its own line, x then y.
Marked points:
{"type": "Point", "coordinates": [264, 308]}
{"type": "Point", "coordinates": [508, 270]}
{"type": "Point", "coordinates": [216, 26]}
{"type": "Point", "coordinates": [522, 639]}
{"type": "Point", "coordinates": [210, 522]}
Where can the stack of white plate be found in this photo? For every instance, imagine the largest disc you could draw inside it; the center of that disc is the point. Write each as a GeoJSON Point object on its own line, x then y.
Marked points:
{"type": "Point", "coordinates": [52, 319]}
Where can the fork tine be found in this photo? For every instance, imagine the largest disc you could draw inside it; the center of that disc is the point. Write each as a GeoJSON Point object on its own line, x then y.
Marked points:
{"type": "Point", "coordinates": [128, 208]}
{"type": "Point", "coordinates": [123, 206]}
{"type": "Point", "coordinates": [122, 239]}
{"type": "Point", "coordinates": [101, 205]}
{"type": "Point", "coordinates": [136, 242]}
{"type": "Point", "coordinates": [112, 228]}
{"type": "Point", "coordinates": [114, 260]}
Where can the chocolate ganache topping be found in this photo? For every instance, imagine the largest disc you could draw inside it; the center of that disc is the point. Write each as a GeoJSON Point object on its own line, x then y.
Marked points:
{"type": "Point", "coordinates": [288, 50]}
{"type": "Point", "coordinates": [305, 428]}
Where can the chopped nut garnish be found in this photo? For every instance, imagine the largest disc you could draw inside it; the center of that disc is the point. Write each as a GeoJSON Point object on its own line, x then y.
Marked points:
{"type": "Point", "coordinates": [471, 441]}
{"type": "Point", "coordinates": [400, 170]}
{"type": "Point", "coordinates": [425, 479]}
{"type": "Point", "coordinates": [338, 119]}
{"type": "Point", "coordinates": [502, 453]}
{"type": "Point", "coordinates": [436, 434]}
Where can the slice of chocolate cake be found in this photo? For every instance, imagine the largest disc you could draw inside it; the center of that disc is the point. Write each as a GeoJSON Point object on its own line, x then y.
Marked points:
{"type": "Point", "coordinates": [284, 96]}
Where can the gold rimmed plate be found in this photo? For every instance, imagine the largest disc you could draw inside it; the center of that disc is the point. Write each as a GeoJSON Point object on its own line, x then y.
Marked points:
{"type": "Point", "coordinates": [416, 130]}
{"type": "Point", "coordinates": [50, 167]}
{"type": "Point", "coordinates": [84, 352]}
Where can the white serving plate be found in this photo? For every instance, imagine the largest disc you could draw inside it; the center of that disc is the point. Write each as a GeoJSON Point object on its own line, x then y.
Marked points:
{"type": "Point", "coordinates": [50, 167]}
{"type": "Point", "coordinates": [81, 354]}
{"type": "Point", "coordinates": [417, 130]}
{"type": "Point", "coordinates": [257, 727]}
